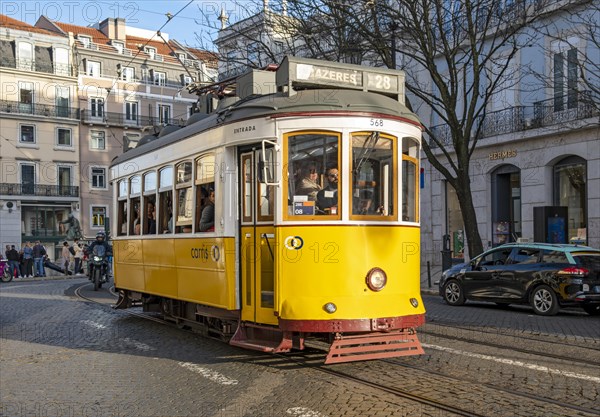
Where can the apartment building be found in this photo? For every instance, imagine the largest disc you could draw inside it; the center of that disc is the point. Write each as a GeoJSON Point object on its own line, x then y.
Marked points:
{"type": "Point", "coordinates": [73, 98]}
{"type": "Point", "coordinates": [39, 129]}
{"type": "Point", "coordinates": [131, 83]}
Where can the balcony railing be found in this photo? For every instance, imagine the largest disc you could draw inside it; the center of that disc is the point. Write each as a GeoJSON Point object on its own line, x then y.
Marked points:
{"type": "Point", "coordinates": [39, 190]}
{"type": "Point", "coordinates": [554, 111]}
{"type": "Point", "coordinates": [566, 108]}
{"type": "Point", "coordinates": [36, 66]}
{"type": "Point", "coordinates": [8, 106]}
{"type": "Point", "coordinates": [120, 120]}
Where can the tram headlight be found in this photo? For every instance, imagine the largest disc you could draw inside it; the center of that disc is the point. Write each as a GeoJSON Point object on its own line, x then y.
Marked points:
{"type": "Point", "coordinates": [376, 279]}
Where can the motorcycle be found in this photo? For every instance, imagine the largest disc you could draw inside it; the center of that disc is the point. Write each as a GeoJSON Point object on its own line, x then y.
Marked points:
{"type": "Point", "coordinates": [98, 267]}
{"type": "Point", "coordinates": [5, 274]}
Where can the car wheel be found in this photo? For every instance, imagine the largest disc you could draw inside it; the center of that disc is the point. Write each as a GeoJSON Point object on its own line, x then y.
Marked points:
{"type": "Point", "coordinates": [544, 301]}
{"type": "Point", "coordinates": [453, 293]}
{"type": "Point", "coordinates": [592, 309]}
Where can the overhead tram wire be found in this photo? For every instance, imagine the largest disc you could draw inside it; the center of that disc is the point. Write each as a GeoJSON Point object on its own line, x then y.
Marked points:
{"type": "Point", "coordinates": [140, 49]}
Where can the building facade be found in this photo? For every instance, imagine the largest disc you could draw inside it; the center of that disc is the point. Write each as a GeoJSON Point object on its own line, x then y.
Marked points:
{"type": "Point", "coordinates": [131, 84]}
{"type": "Point", "coordinates": [539, 145]}
{"type": "Point", "coordinates": [73, 98]}
{"type": "Point", "coordinates": [39, 124]}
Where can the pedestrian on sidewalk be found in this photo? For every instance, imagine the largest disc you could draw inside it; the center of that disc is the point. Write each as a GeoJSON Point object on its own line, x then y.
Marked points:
{"type": "Point", "coordinates": [78, 257]}
{"type": "Point", "coordinates": [13, 261]}
{"type": "Point", "coordinates": [27, 260]}
{"type": "Point", "coordinates": [66, 255]}
{"type": "Point", "coordinates": [38, 259]}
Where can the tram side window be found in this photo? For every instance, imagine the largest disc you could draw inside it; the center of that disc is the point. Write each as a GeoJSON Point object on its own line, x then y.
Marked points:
{"type": "Point", "coordinates": [373, 192]}
{"type": "Point", "coordinates": [135, 187]}
{"type": "Point", "coordinates": [205, 193]}
{"type": "Point", "coordinates": [122, 208]}
{"type": "Point", "coordinates": [165, 203]}
{"type": "Point", "coordinates": [314, 179]}
{"type": "Point", "coordinates": [410, 189]}
{"type": "Point", "coordinates": [149, 224]}
{"type": "Point", "coordinates": [184, 198]}
{"type": "Point", "coordinates": [135, 226]}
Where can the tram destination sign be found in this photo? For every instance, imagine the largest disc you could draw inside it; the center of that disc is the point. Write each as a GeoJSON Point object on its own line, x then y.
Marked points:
{"type": "Point", "coordinates": [301, 71]}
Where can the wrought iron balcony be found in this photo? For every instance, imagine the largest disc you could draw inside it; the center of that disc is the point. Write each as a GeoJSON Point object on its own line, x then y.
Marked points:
{"type": "Point", "coordinates": [36, 66]}
{"type": "Point", "coordinates": [39, 190]}
{"type": "Point", "coordinates": [16, 107]}
{"type": "Point", "coordinates": [566, 108]}
{"type": "Point", "coordinates": [120, 119]}
{"type": "Point", "coordinates": [554, 111]}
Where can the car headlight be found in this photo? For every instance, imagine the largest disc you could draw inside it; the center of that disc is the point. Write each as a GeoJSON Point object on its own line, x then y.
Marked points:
{"type": "Point", "coordinates": [376, 279]}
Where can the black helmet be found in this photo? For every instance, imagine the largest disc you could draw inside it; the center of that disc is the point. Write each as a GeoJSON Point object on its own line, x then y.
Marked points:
{"type": "Point", "coordinates": [100, 235]}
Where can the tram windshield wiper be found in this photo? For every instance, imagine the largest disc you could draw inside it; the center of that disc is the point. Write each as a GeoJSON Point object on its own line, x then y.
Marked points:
{"type": "Point", "coordinates": [367, 149]}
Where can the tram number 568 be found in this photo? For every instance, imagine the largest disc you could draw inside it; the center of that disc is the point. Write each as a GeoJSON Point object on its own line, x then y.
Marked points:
{"type": "Point", "coordinates": [377, 122]}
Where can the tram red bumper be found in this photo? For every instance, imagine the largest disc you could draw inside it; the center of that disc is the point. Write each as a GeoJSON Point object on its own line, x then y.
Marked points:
{"type": "Point", "coordinates": [383, 324]}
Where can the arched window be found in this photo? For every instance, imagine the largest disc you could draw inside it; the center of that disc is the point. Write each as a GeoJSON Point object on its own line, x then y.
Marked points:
{"type": "Point", "coordinates": [506, 204]}
{"type": "Point", "coordinates": [570, 190]}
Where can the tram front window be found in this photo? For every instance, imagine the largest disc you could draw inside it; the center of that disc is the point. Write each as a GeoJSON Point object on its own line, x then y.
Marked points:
{"type": "Point", "coordinates": [312, 160]}
{"type": "Point", "coordinates": [373, 174]}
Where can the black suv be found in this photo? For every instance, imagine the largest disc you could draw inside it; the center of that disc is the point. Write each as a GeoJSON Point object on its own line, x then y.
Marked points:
{"type": "Point", "coordinates": [544, 275]}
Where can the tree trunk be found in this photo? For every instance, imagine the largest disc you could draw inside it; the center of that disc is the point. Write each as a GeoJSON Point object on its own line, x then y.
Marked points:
{"type": "Point", "coordinates": [469, 216]}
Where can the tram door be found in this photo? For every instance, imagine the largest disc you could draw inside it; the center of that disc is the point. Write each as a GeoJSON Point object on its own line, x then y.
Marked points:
{"type": "Point", "coordinates": [257, 241]}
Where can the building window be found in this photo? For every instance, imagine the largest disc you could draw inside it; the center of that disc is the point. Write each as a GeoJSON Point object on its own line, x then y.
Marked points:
{"type": "Point", "coordinates": [64, 180]}
{"type": "Point", "coordinates": [97, 107]}
{"type": "Point", "coordinates": [28, 178]}
{"type": "Point", "coordinates": [85, 40]}
{"type": "Point", "coordinates": [63, 137]}
{"type": "Point", "coordinates": [27, 134]}
{"type": "Point", "coordinates": [93, 69]}
{"type": "Point", "coordinates": [25, 56]}
{"type": "Point", "coordinates": [187, 79]}
{"type": "Point", "coordinates": [118, 46]}
{"type": "Point", "coordinates": [164, 114]}
{"type": "Point", "coordinates": [160, 78]}
{"type": "Point", "coordinates": [98, 216]}
{"type": "Point", "coordinates": [25, 97]}
{"type": "Point", "coordinates": [62, 101]}
{"type": "Point", "coordinates": [98, 140]}
{"type": "Point", "coordinates": [128, 74]}
{"type": "Point", "coordinates": [61, 61]}
{"type": "Point", "coordinates": [252, 53]}
{"type": "Point", "coordinates": [98, 176]}
{"type": "Point", "coordinates": [150, 51]}
{"type": "Point", "coordinates": [570, 190]}
{"type": "Point", "coordinates": [565, 68]}
{"type": "Point", "coordinates": [131, 111]}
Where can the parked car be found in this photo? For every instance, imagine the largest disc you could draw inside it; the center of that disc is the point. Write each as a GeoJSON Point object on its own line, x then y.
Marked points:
{"type": "Point", "coordinates": [546, 276]}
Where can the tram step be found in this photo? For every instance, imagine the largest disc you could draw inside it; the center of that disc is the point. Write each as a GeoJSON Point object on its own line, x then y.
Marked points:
{"type": "Point", "coordinates": [264, 339]}
{"type": "Point", "coordinates": [374, 346]}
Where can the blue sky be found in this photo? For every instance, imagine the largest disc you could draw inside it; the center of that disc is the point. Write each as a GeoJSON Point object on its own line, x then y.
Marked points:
{"type": "Point", "coordinates": [194, 21]}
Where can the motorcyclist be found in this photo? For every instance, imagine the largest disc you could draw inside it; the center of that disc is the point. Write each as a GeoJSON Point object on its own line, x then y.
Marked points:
{"type": "Point", "coordinates": [100, 240]}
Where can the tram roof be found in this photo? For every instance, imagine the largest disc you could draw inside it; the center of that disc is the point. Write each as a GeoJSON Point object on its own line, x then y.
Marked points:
{"type": "Point", "coordinates": [326, 101]}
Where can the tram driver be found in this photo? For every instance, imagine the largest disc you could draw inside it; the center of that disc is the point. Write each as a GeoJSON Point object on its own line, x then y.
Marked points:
{"type": "Point", "coordinates": [327, 198]}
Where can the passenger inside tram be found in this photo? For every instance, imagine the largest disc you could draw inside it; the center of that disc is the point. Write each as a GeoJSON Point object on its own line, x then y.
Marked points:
{"type": "Point", "coordinates": [327, 198]}
{"type": "Point", "coordinates": [309, 183]}
{"type": "Point", "coordinates": [207, 218]}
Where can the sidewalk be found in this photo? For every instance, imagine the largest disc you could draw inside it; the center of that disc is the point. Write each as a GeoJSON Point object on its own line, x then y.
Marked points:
{"type": "Point", "coordinates": [435, 273]}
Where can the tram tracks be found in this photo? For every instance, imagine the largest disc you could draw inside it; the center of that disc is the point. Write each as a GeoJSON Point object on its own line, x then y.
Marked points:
{"type": "Point", "coordinates": [513, 348]}
{"type": "Point", "coordinates": [304, 359]}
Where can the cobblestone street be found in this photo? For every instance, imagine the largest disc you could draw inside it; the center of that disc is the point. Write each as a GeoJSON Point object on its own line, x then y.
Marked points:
{"type": "Point", "coordinates": [61, 356]}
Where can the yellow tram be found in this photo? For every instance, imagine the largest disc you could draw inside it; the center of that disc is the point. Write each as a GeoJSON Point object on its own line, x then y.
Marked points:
{"type": "Point", "coordinates": [312, 174]}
